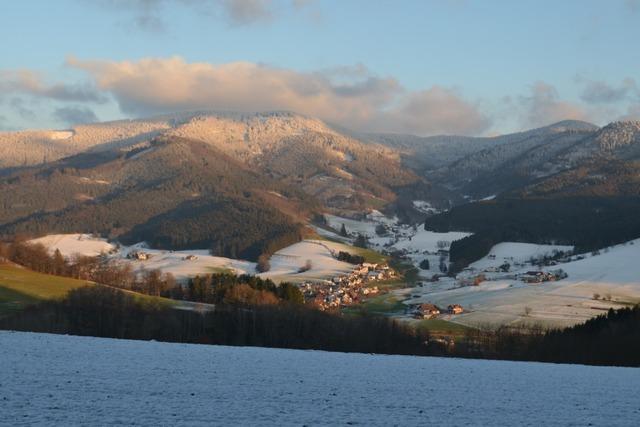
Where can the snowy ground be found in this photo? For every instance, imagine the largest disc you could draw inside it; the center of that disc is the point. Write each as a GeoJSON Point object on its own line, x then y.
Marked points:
{"type": "Point", "coordinates": [415, 242]}
{"type": "Point", "coordinates": [173, 262]}
{"type": "Point", "coordinates": [67, 380]}
{"type": "Point", "coordinates": [614, 275]}
{"type": "Point", "coordinates": [72, 244]}
{"type": "Point", "coordinates": [285, 264]}
{"type": "Point", "coordinates": [515, 253]}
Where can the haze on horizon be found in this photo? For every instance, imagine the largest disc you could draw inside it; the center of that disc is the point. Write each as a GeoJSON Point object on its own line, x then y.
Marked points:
{"type": "Point", "coordinates": [422, 67]}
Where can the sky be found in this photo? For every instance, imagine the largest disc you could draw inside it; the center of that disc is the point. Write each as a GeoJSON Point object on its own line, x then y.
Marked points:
{"type": "Point", "coordinates": [424, 67]}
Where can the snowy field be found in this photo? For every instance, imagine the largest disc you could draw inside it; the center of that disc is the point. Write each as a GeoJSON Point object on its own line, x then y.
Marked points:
{"type": "Point", "coordinates": [75, 244]}
{"type": "Point", "coordinates": [285, 264]}
{"type": "Point", "coordinates": [512, 253]}
{"type": "Point", "coordinates": [614, 275]}
{"type": "Point", "coordinates": [416, 243]}
{"type": "Point", "coordinates": [173, 262]}
{"type": "Point", "coordinates": [67, 380]}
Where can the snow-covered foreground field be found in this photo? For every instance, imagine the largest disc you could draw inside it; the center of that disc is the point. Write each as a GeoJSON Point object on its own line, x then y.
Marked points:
{"type": "Point", "coordinates": [66, 380]}
{"type": "Point", "coordinates": [614, 275]}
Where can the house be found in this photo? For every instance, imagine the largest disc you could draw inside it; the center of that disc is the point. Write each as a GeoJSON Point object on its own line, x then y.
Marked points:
{"type": "Point", "coordinates": [426, 311]}
{"type": "Point", "coordinates": [139, 255]}
{"type": "Point", "coordinates": [455, 309]}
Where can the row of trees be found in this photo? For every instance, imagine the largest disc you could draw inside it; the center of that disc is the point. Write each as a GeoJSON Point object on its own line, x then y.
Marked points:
{"type": "Point", "coordinates": [219, 288]}
{"type": "Point", "coordinates": [226, 288]}
{"type": "Point", "coordinates": [611, 339]}
{"type": "Point", "coordinates": [108, 312]}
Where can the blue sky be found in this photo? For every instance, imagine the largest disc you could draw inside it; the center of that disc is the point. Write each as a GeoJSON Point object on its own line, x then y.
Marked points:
{"type": "Point", "coordinates": [426, 67]}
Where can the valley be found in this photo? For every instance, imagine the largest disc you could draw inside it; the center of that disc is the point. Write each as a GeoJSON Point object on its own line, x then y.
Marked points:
{"type": "Point", "coordinates": [280, 196]}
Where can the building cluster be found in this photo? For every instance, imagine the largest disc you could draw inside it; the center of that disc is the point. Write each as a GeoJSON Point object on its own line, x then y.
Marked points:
{"type": "Point", "coordinates": [543, 276]}
{"type": "Point", "coordinates": [431, 311]}
{"type": "Point", "coordinates": [347, 289]}
{"type": "Point", "coordinates": [138, 255]}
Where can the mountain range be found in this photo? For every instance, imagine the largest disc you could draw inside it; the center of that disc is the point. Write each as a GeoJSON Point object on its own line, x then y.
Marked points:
{"type": "Point", "coordinates": [245, 184]}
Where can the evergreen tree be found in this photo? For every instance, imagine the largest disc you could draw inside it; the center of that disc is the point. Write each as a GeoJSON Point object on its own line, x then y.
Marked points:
{"type": "Point", "coordinates": [361, 241]}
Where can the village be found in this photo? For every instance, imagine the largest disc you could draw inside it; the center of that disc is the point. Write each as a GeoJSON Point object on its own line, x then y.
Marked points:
{"type": "Point", "coordinates": [347, 289]}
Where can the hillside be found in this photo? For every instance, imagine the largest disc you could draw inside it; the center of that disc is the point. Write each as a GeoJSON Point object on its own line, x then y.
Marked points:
{"type": "Point", "coordinates": [174, 193]}
{"type": "Point", "coordinates": [93, 381]}
{"type": "Point", "coordinates": [435, 152]}
{"type": "Point", "coordinates": [596, 282]}
{"type": "Point", "coordinates": [339, 170]}
{"type": "Point", "coordinates": [20, 287]}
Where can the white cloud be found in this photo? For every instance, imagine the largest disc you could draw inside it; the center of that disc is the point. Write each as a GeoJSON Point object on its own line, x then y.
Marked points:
{"type": "Point", "coordinates": [350, 96]}
{"type": "Point", "coordinates": [543, 106]}
{"type": "Point", "coordinates": [600, 92]}
{"type": "Point", "coordinates": [26, 82]}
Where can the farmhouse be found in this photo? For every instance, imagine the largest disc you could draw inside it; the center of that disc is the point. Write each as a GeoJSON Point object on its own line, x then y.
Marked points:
{"type": "Point", "coordinates": [541, 276]}
{"type": "Point", "coordinates": [426, 311]}
{"type": "Point", "coordinates": [139, 255]}
{"type": "Point", "coordinates": [455, 309]}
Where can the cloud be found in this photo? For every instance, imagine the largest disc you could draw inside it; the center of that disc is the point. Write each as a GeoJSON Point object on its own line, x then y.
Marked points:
{"type": "Point", "coordinates": [242, 12]}
{"type": "Point", "coordinates": [18, 105]}
{"type": "Point", "coordinates": [543, 107]}
{"type": "Point", "coordinates": [26, 82]}
{"type": "Point", "coordinates": [350, 96]}
{"type": "Point", "coordinates": [600, 92]}
{"type": "Point", "coordinates": [74, 115]}
{"type": "Point", "coordinates": [150, 15]}
{"type": "Point", "coordinates": [435, 111]}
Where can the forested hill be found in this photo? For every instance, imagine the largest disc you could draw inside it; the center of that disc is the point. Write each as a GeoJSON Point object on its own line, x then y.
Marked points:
{"type": "Point", "coordinates": [175, 193]}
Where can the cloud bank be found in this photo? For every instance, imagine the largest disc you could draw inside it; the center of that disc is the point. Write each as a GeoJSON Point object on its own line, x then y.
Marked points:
{"type": "Point", "coordinates": [351, 96]}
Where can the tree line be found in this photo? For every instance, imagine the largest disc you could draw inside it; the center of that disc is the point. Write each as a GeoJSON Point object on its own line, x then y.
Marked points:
{"type": "Point", "coordinates": [216, 288]}
{"type": "Point", "coordinates": [107, 312]}
{"type": "Point", "coordinates": [610, 339]}
{"type": "Point", "coordinates": [588, 223]}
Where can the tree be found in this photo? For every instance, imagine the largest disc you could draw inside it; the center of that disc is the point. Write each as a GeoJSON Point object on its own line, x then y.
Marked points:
{"type": "Point", "coordinates": [424, 264]}
{"type": "Point", "coordinates": [443, 264]}
{"type": "Point", "coordinates": [361, 241]}
{"type": "Point", "coordinates": [59, 263]}
{"type": "Point", "coordinates": [291, 293]}
{"type": "Point", "coordinates": [263, 264]}
{"type": "Point", "coordinates": [306, 267]}
{"type": "Point", "coordinates": [343, 231]}
{"type": "Point", "coordinates": [381, 230]}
